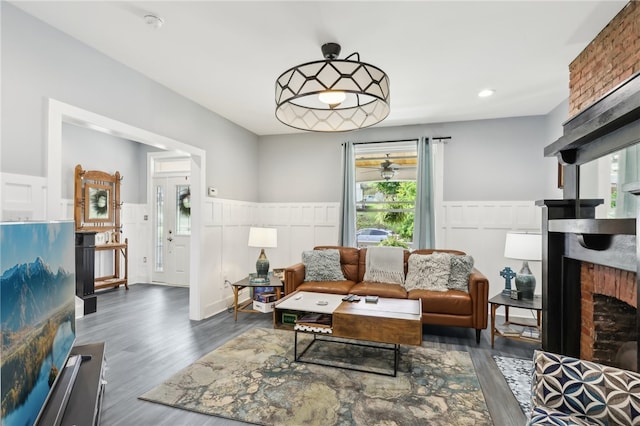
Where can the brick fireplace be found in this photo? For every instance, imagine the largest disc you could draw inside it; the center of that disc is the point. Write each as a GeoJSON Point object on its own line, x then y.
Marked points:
{"type": "Point", "coordinates": [590, 266]}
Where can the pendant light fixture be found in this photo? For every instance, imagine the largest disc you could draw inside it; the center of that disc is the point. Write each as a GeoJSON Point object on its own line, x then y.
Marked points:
{"type": "Point", "coordinates": [332, 95]}
{"type": "Point", "coordinates": [387, 173]}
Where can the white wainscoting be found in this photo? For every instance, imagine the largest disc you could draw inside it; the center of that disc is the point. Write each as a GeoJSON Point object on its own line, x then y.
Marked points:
{"type": "Point", "coordinates": [479, 228]}
{"type": "Point", "coordinates": [301, 226]}
{"type": "Point", "coordinates": [24, 198]}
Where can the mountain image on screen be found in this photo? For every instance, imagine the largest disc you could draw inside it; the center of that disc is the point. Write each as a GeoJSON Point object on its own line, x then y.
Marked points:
{"type": "Point", "coordinates": [30, 291]}
{"type": "Point", "coordinates": [37, 316]}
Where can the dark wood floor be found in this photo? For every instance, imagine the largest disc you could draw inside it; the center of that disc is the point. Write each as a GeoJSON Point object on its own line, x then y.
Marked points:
{"type": "Point", "coordinates": [149, 337]}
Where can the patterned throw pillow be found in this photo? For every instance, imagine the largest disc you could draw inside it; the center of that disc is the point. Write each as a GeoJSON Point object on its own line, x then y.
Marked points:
{"type": "Point", "coordinates": [322, 265]}
{"type": "Point", "coordinates": [428, 272]}
{"type": "Point", "coordinates": [461, 267]}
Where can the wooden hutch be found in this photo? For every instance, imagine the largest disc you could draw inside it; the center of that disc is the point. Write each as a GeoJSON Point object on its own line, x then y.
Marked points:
{"type": "Point", "coordinates": [98, 228]}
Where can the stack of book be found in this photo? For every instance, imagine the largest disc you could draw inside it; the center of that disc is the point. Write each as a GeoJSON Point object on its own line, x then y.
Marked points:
{"type": "Point", "coordinates": [507, 330]}
{"type": "Point", "coordinates": [530, 333]}
{"type": "Point", "coordinates": [265, 297]}
{"type": "Point", "coordinates": [311, 318]}
{"type": "Point", "coordinates": [314, 323]}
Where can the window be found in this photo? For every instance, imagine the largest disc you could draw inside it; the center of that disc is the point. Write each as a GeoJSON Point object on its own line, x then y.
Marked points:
{"type": "Point", "coordinates": [385, 193]}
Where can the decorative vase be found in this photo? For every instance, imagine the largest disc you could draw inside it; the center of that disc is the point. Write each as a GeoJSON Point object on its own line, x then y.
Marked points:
{"type": "Point", "coordinates": [525, 281]}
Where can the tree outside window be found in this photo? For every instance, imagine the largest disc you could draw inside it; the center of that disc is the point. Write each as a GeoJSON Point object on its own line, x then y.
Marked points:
{"type": "Point", "coordinates": [385, 207]}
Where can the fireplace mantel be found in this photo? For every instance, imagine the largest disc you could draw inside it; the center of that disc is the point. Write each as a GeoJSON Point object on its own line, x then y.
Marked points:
{"type": "Point", "coordinates": [606, 126]}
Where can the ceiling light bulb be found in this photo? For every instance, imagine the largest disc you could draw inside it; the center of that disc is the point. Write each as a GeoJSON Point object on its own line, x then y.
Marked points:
{"type": "Point", "coordinates": [153, 21]}
{"type": "Point", "coordinates": [486, 93]}
{"type": "Point", "coordinates": [332, 98]}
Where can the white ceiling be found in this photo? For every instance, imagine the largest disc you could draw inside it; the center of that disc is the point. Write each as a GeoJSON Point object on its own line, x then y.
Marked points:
{"type": "Point", "coordinates": [226, 55]}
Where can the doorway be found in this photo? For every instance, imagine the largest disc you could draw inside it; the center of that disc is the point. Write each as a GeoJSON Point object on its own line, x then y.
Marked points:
{"type": "Point", "coordinates": [59, 112]}
{"type": "Point", "coordinates": [171, 196]}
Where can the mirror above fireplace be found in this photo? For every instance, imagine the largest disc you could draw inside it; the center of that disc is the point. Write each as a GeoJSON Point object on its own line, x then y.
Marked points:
{"type": "Point", "coordinates": [606, 177]}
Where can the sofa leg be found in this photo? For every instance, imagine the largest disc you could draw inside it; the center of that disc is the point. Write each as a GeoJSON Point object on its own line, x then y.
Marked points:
{"type": "Point", "coordinates": [478, 335]}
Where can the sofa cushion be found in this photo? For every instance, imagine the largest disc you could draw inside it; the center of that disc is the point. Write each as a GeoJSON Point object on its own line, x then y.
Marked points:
{"type": "Point", "coordinates": [602, 394]}
{"type": "Point", "coordinates": [461, 267]}
{"type": "Point", "coordinates": [333, 287]}
{"type": "Point", "coordinates": [548, 416]}
{"type": "Point", "coordinates": [452, 302]}
{"type": "Point", "coordinates": [322, 265]}
{"type": "Point", "coordinates": [428, 272]}
{"type": "Point", "coordinates": [367, 288]}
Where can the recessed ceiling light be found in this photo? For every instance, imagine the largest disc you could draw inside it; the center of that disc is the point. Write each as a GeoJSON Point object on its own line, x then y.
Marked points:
{"type": "Point", "coordinates": [153, 21]}
{"type": "Point", "coordinates": [486, 93]}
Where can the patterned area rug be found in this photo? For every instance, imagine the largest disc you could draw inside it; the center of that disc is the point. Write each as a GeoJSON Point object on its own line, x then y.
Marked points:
{"type": "Point", "coordinates": [517, 373]}
{"type": "Point", "coordinates": [252, 378]}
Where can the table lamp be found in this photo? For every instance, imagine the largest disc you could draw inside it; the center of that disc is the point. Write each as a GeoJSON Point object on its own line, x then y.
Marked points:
{"type": "Point", "coordinates": [525, 247]}
{"type": "Point", "coordinates": [263, 238]}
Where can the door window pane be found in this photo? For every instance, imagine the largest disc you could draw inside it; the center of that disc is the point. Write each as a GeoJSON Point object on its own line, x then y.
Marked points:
{"type": "Point", "coordinates": [183, 213]}
{"type": "Point", "coordinates": [159, 243]}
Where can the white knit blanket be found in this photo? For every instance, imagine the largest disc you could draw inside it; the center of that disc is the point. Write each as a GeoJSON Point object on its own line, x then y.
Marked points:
{"type": "Point", "coordinates": [385, 265]}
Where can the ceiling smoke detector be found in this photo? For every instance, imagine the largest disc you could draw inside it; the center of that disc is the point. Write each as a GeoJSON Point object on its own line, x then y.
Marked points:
{"type": "Point", "coordinates": [153, 21]}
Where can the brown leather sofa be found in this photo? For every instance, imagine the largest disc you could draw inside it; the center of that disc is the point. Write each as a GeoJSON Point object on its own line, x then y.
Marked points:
{"type": "Point", "coordinates": [449, 308]}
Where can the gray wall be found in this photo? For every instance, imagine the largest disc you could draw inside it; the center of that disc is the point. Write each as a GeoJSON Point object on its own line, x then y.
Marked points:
{"type": "Point", "coordinates": [40, 62]}
{"type": "Point", "coordinates": [94, 150]}
{"type": "Point", "coordinates": [499, 160]}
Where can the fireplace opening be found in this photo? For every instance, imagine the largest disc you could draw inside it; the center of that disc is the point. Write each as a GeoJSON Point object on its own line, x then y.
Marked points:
{"type": "Point", "coordinates": [609, 320]}
{"type": "Point", "coordinates": [614, 327]}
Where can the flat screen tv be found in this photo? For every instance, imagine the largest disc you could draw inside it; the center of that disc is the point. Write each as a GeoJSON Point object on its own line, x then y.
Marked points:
{"type": "Point", "coordinates": [37, 314]}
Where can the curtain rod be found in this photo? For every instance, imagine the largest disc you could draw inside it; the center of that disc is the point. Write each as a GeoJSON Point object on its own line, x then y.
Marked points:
{"type": "Point", "coordinates": [435, 138]}
{"type": "Point", "coordinates": [399, 140]}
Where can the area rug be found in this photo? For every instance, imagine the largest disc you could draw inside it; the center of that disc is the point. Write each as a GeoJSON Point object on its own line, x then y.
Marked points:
{"type": "Point", "coordinates": [253, 378]}
{"type": "Point", "coordinates": [517, 373]}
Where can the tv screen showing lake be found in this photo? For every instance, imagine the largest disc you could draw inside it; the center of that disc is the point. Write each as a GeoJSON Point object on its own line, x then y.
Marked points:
{"type": "Point", "coordinates": [37, 314]}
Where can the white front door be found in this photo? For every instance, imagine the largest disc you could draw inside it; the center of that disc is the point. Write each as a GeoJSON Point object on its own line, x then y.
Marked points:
{"type": "Point", "coordinates": [172, 229]}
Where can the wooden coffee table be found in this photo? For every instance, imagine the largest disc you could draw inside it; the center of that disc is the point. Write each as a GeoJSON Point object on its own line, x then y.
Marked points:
{"type": "Point", "coordinates": [392, 322]}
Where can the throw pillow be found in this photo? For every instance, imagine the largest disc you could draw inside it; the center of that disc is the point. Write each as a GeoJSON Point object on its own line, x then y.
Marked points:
{"type": "Point", "coordinates": [461, 267]}
{"type": "Point", "coordinates": [428, 272]}
{"type": "Point", "coordinates": [322, 265]}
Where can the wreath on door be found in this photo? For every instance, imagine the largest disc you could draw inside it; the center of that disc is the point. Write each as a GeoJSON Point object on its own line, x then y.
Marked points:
{"type": "Point", "coordinates": [184, 202]}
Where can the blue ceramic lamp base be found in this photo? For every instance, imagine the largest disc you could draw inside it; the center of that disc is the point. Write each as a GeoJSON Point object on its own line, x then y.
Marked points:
{"type": "Point", "coordinates": [262, 265]}
{"type": "Point", "coordinates": [526, 282]}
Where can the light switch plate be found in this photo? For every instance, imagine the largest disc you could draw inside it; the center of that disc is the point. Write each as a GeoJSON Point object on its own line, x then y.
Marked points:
{"type": "Point", "coordinates": [212, 192]}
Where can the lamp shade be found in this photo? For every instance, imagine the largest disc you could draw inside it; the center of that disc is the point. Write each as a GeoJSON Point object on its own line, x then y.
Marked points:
{"type": "Point", "coordinates": [263, 237]}
{"type": "Point", "coordinates": [332, 95]}
{"type": "Point", "coordinates": [523, 246]}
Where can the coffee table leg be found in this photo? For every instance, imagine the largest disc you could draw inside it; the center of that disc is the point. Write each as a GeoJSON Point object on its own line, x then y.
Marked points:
{"type": "Point", "coordinates": [295, 345]}
{"type": "Point", "coordinates": [396, 359]}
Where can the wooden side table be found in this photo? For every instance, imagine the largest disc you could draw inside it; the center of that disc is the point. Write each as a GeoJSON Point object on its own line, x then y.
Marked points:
{"type": "Point", "coordinates": [507, 302]}
{"type": "Point", "coordinates": [275, 282]}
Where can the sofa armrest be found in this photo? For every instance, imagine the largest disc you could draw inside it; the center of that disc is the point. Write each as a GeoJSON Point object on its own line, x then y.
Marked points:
{"type": "Point", "coordinates": [479, 292]}
{"type": "Point", "coordinates": [293, 277]}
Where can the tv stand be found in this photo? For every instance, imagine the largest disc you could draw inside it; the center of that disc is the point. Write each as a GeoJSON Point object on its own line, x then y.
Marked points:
{"type": "Point", "coordinates": [78, 400]}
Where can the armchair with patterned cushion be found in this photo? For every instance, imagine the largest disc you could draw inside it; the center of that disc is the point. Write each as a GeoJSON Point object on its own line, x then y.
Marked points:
{"type": "Point", "coordinates": [570, 391]}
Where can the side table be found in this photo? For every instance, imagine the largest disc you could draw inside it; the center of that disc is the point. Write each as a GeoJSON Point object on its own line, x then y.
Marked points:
{"type": "Point", "coordinates": [275, 282]}
{"type": "Point", "coordinates": [507, 302]}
